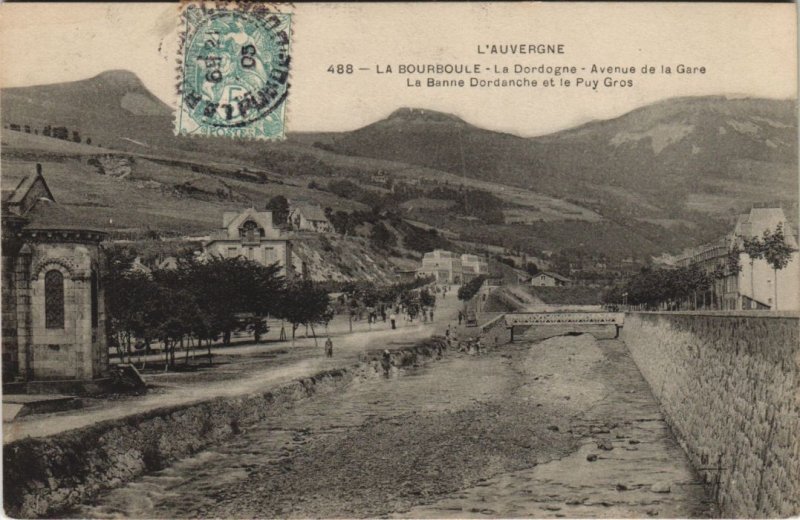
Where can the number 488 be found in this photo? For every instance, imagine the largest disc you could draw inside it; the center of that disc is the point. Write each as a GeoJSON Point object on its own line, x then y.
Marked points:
{"type": "Point", "coordinates": [341, 69]}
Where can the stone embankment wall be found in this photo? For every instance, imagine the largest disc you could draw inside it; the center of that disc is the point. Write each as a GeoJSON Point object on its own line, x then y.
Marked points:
{"type": "Point", "coordinates": [729, 384]}
{"type": "Point", "coordinates": [496, 332]}
{"type": "Point", "coordinates": [43, 476]}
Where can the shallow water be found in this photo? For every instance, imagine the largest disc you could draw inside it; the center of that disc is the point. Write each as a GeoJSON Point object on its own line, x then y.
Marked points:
{"type": "Point", "coordinates": [504, 434]}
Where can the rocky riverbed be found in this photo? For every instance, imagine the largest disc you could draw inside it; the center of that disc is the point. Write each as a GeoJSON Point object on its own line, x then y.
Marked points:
{"type": "Point", "coordinates": [564, 427]}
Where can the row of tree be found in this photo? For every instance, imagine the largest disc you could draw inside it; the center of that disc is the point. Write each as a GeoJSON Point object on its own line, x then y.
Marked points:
{"type": "Point", "coordinates": [676, 288]}
{"type": "Point", "coordinates": [359, 298]}
{"type": "Point", "coordinates": [665, 288]}
{"type": "Point", "coordinates": [200, 303]}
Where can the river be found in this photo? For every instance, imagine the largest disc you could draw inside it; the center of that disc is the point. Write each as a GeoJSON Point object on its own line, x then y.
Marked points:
{"type": "Point", "coordinates": [566, 427]}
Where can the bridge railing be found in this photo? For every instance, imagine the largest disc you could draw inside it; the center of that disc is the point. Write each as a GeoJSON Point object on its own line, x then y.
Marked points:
{"type": "Point", "coordinates": [514, 319]}
{"type": "Point", "coordinates": [499, 329]}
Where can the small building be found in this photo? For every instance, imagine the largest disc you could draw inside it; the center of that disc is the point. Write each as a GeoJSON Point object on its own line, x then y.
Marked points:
{"type": "Point", "coordinates": [549, 279]}
{"type": "Point", "coordinates": [406, 275]}
{"type": "Point", "coordinates": [473, 266]}
{"type": "Point", "coordinates": [444, 266]}
{"type": "Point", "coordinates": [380, 179]}
{"type": "Point", "coordinates": [251, 234]}
{"type": "Point", "coordinates": [309, 217]}
{"type": "Point", "coordinates": [54, 324]}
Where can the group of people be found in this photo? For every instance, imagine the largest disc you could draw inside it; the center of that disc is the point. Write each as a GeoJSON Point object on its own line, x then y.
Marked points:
{"type": "Point", "coordinates": [472, 345]}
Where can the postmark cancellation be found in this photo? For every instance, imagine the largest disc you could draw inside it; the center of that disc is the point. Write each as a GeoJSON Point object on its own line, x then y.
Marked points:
{"type": "Point", "coordinates": [234, 72]}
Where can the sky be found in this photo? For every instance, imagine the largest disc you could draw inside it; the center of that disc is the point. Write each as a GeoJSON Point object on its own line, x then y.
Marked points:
{"type": "Point", "coordinates": [747, 49]}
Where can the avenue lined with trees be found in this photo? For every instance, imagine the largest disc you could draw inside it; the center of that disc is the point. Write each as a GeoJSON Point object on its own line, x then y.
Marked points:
{"type": "Point", "coordinates": [196, 304]}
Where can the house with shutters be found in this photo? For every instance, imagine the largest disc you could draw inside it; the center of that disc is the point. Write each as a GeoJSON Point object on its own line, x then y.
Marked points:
{"type": "Point", "coordinates": [309, 217]}
{"type": "Point", "coordinates": [253, 235]}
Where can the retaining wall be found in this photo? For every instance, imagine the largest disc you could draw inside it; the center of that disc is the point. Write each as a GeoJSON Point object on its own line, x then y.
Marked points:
{"type": "Point", "coordinates": [729, 385]}
{"type": "Point", "coordinates": [43, 476]}
{"type": "Point", "coordinates": [495, 332]}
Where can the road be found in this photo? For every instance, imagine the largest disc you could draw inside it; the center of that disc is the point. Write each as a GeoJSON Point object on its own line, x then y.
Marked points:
{"type": "Point", "coordinates": [566, 427]}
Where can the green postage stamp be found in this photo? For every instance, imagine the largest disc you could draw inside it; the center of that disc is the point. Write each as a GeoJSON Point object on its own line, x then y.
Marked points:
{"type": "Point", "coordinates": [234, 75]}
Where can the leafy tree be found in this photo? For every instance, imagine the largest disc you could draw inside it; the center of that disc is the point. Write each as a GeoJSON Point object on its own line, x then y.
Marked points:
{"type": "Point", "coordinates": [754, 248]}
{"type": "Point", "coordinates": [410, 300]}
{"type": "Point", "coordinates": [719, 274]}
{"type": "Point", "coordinates": [471, 288]}
{"type": "Point", "coordinates": [341, 222]}
{"type": "Point", "coordinates": [777, 253]}
{"type": "Point", "coordinates": [426, 298]}
{"type": "Point", "coordinates": [381, 237]}
{"type": "Point", "coordinates": [279, 206]}
{"type": "Point", "coordinates": [304, 303]}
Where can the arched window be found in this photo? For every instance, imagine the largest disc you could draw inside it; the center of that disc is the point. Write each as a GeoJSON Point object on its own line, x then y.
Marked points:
{"type": "Point", "coordinates": [250, 231]}
{"type": "Point", "coordinates": [54, 299]}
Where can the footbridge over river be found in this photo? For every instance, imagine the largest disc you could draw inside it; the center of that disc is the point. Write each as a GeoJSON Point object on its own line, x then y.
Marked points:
{"type": "Point", "coordinates": [540, 325]}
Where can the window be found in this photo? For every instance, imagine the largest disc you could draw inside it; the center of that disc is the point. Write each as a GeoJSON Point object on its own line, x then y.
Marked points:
{"type": "Point", "coordinates": [54, 299]}
{"type": "Point", "coordinates": [250, 231]}
{"type": "Point", "coordinates": [94, 299]}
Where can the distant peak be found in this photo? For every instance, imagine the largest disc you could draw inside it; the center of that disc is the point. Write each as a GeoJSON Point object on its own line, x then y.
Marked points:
{"type": "Point", "coordinates": [421, 114]}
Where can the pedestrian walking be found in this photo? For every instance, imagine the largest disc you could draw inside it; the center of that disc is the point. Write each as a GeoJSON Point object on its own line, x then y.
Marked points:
{"type": "Point", "coordinates": [460, 317]}
{"type": "Point", "coordinates": [431, 315]}
{"type": "Point", "coordinates": [393, 320]}
{"type": "Point", "coordinates": [328, 347]}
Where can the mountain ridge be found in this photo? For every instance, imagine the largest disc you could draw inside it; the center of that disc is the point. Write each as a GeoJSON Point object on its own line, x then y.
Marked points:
{"type": "Point", "coordinates": [662, 172]}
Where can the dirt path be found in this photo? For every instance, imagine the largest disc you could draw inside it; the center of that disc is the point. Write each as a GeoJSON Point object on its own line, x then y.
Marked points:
{"type": "Point", "coordinates": [506, 434]}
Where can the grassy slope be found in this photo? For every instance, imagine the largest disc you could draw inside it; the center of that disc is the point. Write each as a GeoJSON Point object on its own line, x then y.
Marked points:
{"type": "Point", "coordinates": [572, 295]}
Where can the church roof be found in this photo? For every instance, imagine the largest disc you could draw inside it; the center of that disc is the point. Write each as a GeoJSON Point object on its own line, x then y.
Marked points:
{"type": "Point", "coordinates": [33, 202]}
{"type": "Point", "coordinates": [51, 215]}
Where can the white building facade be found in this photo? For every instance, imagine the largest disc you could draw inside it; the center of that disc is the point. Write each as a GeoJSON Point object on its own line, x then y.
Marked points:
{"type": "Point", "coordinates": [444, 266]}
{"type": "Point", "coordinates": [473, 266]}
{"type": "Point", "coordinates": [757, 286]}
{"type": "Point", "coordinates": [251, 234]}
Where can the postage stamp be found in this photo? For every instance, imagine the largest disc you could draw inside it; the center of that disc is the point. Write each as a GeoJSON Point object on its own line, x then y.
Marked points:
{"type": "Point", "coordinates": [234, 75]}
